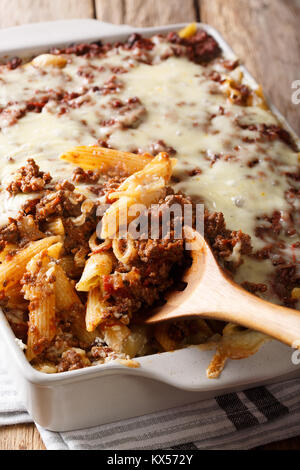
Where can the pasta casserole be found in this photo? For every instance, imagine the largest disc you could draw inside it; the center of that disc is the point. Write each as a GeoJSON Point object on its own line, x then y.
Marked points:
{"type": "Point", "coordinates": [93, 133]}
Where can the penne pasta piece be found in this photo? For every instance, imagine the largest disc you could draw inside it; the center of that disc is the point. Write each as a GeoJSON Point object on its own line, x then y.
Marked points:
{"type": "Point", "coordinates": [68, 301]}
{"type": "Point", "coordinates": [189, 31]}
{"type": "Point", "coordinates": [12, 271]}
{"type": "Point", "coordinates": [9, 247]}
{"type": "Point", "coordinates": [15, 298]}
{"type": "Point", "coordinates": [115, 335]}
{"type": "Point", "coordinates": [55, 250]}
{"type": "Point", "coordinates": [104, 159]}
{"type": "Point", "coordinates": [144, 187]}
{"type": "Point", "coordinates": [296, 293]}
{"type": "Point", "coordinates": [56, 227]}
{"type": "Point", "coordinates": [233, 90]}
{"type": "Point", "coordinates": [49, 60]}
{"type": "Point", "coordinates": [96, 309]}
{"type": "Point", "coordinates": [262, 99]}
{"type": "Point", "coordinates": [96, 266]}
{"type": "Point", "coordinates": [65, 292]}
{"type": "Point", "coordinates": [136, 343]}
{"type": "Point", "coordinates": [39, 289]}
{"type": "Point", "coordinates": [142, 181]}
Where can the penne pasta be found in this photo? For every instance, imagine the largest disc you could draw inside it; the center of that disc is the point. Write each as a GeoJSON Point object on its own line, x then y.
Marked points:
{"type": "Point", "coordinates": [56, 227]}
{"type": "Point", "coordinates": [67, 301]}
{"type": "Point", "coordinates": [136, 343]}
{"type": "Point", "coordinates": [12, 271]}
{"type": "Point", "coordinates": [39, 289]}
{"type": "Point", "coordinates": [104, 159]}
{"type": "Point", "coordinates": [189, 31]}
{"type": "Point", "coordinates": [8, 248]}
{"type": "Point", "coordinates": [15, 298]}
{"type": "Point", "coordinates": [144, 187]}
{"type": "Point", "coordinates": [115, 335]}
{"type": "Point", "coordinates": [49, 60]}
{"type": "Point", "coordinates": [55, 250]}
{"type": "Point", "coordinates": [96, 266]}
{"type": "Point", "coordinates": [96, 309]}
{"type": "Point", "coordinates": [65, 292]}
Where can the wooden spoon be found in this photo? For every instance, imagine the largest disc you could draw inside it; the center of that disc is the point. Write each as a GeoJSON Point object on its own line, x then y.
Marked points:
{"type": "Point", "coordinates": [211, 294]}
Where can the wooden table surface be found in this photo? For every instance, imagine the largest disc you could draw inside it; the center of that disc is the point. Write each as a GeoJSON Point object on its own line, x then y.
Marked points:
{"type": "Point", "coordinates": [264, 33]}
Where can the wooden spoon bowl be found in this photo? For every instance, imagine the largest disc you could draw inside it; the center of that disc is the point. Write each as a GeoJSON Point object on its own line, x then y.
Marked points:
{"type": "Point", "coordinates": [211, 294]}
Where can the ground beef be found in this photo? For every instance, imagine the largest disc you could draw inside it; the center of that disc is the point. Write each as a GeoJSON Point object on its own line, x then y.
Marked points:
{"type": "Point", "coordinates": [136, 40]}
{"type": "Point", "coordinates": [28, 229]}
{"type": "Point", "coordinates": [14, 63]}
{"type": "Point", "coordinates": [200, 48]}
{"type": "Point", "coordinates": [77, 237]}
{"type": "Point", "coordinates": [108, 185]}
{"type": "Point", "coordinates": [88, 176]}
{"type": "Point", "coordinates": [129, 113]}
{"type": "Point", "coordinates": [70, 360]}
{"type": "Point", "coordinates": [196, 171]}
{"type": "Point", "coordinates": [10, 114]}
{"type": "Point", "coordinates": [254, 288]}
{"type": "Point", "coordinates": [9, 233]}
{"type": "Point", "coordinates": [157, 265]}
{"type": "Point", "coordinates": [286, 278]}
{"type": "Point", "coordinates": [242, 97]}
{"type": "Point", "coordinates": [274, 225]}
{"type": "Point", "coordinates": [161, 146]}
{"type": "Point", "coordinates": [29, 179]}
{"type": "Point", "coordinates": [21, 230]}
{"type": "Point", "coordinates": [269, 133]}
{"type": "Point", "coordinates": [89, 50]}
{"type": "Point", "coordinates": [64, 203]}
{"type": "Point", "coordinates": [112, 85]}
{"type": "Point", "coordinates": [100, 352]}
{"type": "Point", "coordinates": [273, 132]}
{"type": "Point", "coordinates": [222, 240]}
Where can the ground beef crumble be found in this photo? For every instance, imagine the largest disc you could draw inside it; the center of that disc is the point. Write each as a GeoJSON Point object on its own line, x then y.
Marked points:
{"type": "Point", "coordinates": [29, 179]}
{"type": "Point", "coordinates": [200, 48]}
{"type": "Point", "coordinates": [222, 240]}
{"type": "Point", "coordinates": [71, 360]}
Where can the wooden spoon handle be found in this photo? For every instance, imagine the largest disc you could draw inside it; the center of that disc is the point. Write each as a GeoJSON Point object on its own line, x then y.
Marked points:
{"type": "Point", "coordinates": [231, 303]}
{"type": "Point", "coordinates": [210, 294]}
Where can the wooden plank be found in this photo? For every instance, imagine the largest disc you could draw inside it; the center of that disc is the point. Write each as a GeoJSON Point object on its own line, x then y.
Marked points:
{"type": "Point", "coordinates": [146, 12]}
{"type": "Point", "coordinates": [105, 12]}
{"type": "Point", "coordinates": [20, 437]}
{"type": "Point", "coordinates": [266, 36]}
{"type": "Point", "coordinates": [18, 12]}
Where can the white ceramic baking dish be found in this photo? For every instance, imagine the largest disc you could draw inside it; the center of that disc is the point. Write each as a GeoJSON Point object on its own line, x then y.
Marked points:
{"type": "Point", "coordinates": [111, 392]}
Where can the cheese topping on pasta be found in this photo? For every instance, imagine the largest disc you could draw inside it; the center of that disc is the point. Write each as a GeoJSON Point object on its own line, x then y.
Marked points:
{"type": "Point", "coordinates": [172, 94]}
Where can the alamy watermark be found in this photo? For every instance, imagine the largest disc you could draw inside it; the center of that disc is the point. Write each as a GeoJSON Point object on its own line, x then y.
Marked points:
{"type": "Point", "coordinates": [142, 222]}
{"type": "Point", "coordinates": [296, 354]}
{"type": "Point", "coordinates": [296, 93]}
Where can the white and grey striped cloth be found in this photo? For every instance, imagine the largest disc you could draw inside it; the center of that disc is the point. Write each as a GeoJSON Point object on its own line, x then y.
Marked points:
{"type": "Point", "coordinates": [234, 421]}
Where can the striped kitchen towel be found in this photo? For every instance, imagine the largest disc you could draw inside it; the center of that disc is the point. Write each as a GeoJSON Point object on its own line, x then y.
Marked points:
{"type": "Point", "coordinates": [234, 421]}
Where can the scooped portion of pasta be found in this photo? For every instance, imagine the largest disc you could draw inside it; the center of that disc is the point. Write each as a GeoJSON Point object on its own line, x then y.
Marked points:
{"type": "Point", "coordinates": [77, 273]}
